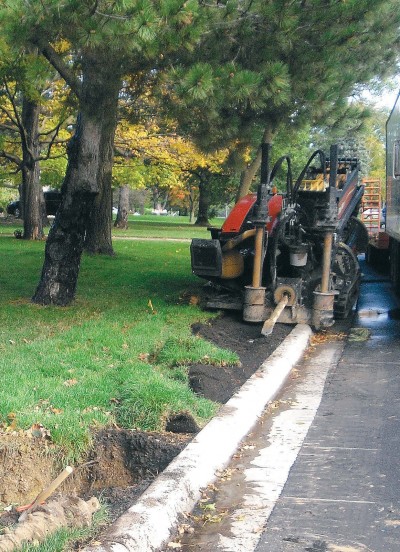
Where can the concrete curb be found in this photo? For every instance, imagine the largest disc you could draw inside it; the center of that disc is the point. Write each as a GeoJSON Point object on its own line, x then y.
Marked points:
{"type": "Point", "coordinates": [149, 523]}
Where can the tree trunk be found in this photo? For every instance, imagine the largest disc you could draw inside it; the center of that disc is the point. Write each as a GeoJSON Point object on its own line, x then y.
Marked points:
{"type": "Point", "coordinates": [204, 203]}
{"type": "Point", "coordinates": [98, 233]}
{"type": "Point", "coordinates": [165, 201]}
{"type": "Point", "coordinates": [31, 196]}
{"type": "Point", "coordinates": [121, 220]}
{"type": "Point", "coordinates": [248, 175]}
{"type": "Point", "coordinates": [191, 198]}
{"type": "Point", "coordinates": [156, 198]}
{"type": "Point", "coordinates": [84, 176]}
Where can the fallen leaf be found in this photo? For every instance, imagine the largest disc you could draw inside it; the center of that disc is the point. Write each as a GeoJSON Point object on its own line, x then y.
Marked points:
{"type": "Point", "coordinates": [39, 431]}
{"type": "Point", "coordinates": [208, 507]}
{"type": "Point", "coordinates": [185, 528]}
{"type": "Point", "coordinates": [359, 334]}
{"type": "Point", "coordinates": [70, 382]}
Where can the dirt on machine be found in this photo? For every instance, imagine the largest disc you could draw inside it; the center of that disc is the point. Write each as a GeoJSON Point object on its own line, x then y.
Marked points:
{"type": "Point", "coordinates": [289, 257]}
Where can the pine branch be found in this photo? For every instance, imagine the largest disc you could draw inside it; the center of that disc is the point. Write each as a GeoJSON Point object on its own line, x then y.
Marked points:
{"type": "Point", "coordinates": [58, 63]}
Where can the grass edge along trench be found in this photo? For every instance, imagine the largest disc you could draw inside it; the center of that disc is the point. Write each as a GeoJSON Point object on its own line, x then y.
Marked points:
{"type": "Point", "coordinates": [118, 356]}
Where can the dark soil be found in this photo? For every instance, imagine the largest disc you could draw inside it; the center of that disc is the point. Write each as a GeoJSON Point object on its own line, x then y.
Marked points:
{"type": "Point", "coordinates": [124, 462]}
{"type": "Point", "coordinates": [230, 332]}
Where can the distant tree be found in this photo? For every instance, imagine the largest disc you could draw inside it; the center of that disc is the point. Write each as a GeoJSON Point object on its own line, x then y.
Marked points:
{"type": "Point", "coordinates": [362, 137]}
{"type": "Point", "coordinates": [121, 220]}
{"type": "Point", "coordinates": [29, 136]}
{"type": "Point", "coordinates": [168, 165]}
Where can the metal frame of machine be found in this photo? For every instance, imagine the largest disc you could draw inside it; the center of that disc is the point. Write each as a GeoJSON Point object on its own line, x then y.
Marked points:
{"type": "Point", "coordinates": [289, 257]}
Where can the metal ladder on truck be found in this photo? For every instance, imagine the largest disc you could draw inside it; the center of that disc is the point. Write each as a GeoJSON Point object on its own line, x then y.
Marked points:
{"type": "Point", "coordinates": [371, 215]}
{"type": "Point", "coordinates": [371, 205]}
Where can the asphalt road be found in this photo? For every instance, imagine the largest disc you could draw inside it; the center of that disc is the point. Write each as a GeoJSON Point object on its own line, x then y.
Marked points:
{"type": "Point", "coordinates": [343, 493]}
{"type": "Point", "coordinates": [320, 472]}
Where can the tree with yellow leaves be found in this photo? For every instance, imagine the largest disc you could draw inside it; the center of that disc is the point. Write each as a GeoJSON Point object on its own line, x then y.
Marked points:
{"type": "Point", "coordinates": [168, 165]}
{"type": "Point", "coordinates": [32, 124]}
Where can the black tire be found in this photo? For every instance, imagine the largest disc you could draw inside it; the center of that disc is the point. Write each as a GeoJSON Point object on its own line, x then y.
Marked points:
{"type": "Point", "coordinates": [394, 248]}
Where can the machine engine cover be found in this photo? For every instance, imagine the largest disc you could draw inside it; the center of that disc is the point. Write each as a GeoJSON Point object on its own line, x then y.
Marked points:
{"type": "Point", "coordinates": [206, 257]}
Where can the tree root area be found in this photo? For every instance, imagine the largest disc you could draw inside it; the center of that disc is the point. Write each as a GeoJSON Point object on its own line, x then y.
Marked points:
{"type": "Point", "coordinates": [122, 463]}
{"type": "Point", "coordinates": [46, 519]}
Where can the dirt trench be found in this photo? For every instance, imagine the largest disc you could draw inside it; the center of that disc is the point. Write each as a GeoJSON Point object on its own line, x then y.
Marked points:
{"type": "Point", "coordinates": [122, 463]}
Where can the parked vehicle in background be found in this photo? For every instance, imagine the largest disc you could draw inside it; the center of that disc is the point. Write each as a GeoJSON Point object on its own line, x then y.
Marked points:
{"type": "Point", "coordinates": [385, 248]}
{"type": "Point", "coordinates": [14, 208]}
{"type": "Point", "coordinates": [393, 191]}
{"type": "Point", "coordinates": [52, 200]}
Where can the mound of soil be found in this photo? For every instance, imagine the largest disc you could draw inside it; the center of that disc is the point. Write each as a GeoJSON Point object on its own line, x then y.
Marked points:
{"type": "Point", "coordinates": [230, 332]}
{"type": "Point", "coordinates": [123, 463]}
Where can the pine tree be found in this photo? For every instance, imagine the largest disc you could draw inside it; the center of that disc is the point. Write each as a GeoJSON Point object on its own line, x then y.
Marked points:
{"type": "Point", "coordinates": [104, 41]}
{"type": "Point", "coordinates": [265, 65]}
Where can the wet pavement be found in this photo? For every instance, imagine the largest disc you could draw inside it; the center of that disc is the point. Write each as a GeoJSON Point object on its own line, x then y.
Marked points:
{"type": "Point", "coordinates": [343, 493]}
{"type": "Point", "coordinates": [336, 427]}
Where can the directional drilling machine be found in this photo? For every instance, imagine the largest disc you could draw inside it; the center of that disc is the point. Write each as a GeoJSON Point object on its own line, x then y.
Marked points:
{"type": "Point", "coordinates": [289, 257]}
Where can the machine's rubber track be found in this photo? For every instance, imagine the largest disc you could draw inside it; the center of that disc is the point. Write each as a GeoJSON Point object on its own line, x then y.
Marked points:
{"type": "Point", "coordinates": [348, 281]}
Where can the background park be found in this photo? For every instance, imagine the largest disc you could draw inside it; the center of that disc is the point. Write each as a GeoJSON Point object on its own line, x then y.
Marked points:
{"type": "Point", "coordinates": [136, 107]}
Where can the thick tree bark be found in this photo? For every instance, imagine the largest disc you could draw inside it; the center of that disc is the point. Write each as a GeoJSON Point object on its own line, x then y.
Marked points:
{"type": "Point", "coordinates": [204, 203]}
{"type": "Point", "coordinates": [98, 229]}
{"type": "Point", "coordinates": [98, 238]}
{"type": "Point", "coordinates": [31, 196]}
{"type": "Point", "coordinates": [121, 220]}
{"type": "Point", "coordinates": [248, 175]}
{"type": "Point", "coordinates": [83, 179]}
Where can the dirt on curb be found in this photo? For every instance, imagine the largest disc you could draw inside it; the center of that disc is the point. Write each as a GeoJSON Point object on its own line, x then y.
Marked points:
{"type": "Point", "coordinates": [122, 463]}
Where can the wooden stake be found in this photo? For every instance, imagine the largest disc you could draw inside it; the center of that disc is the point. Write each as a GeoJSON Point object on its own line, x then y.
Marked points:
{"type": "Point", "coordinates": [48, 491]}
{"type": "Point", "coordinates": [270, 323]}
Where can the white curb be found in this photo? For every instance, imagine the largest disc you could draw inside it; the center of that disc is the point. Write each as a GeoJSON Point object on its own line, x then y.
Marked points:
{"type": "Point", "coordinates": [149, 523]}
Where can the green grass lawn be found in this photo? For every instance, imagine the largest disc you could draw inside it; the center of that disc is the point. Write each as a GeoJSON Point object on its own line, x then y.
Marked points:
{"type": "Point", "coordinates": [118, 355]}
{"type": "Point", "coordinates": [145, 226]}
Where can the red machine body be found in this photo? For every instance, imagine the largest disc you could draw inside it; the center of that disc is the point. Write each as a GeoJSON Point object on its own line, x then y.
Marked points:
{"type": "Point", "coordinates": [240, 212]}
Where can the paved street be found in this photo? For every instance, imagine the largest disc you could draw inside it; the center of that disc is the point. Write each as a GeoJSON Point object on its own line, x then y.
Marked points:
{"type": "Point", "coordinates": [336, 428]}
{"type": "Point", "coordinates": [343, 493]}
